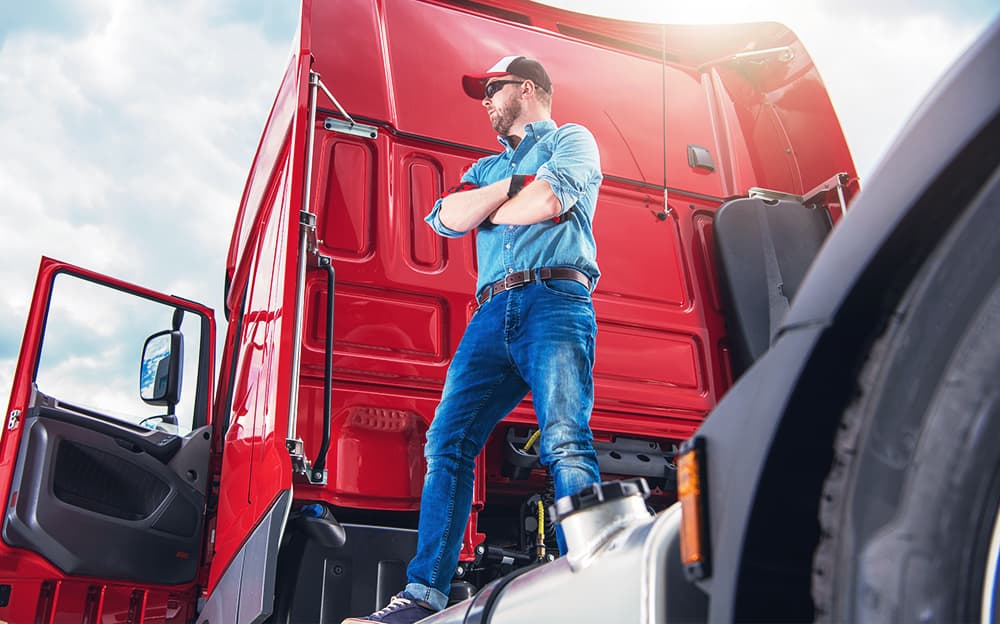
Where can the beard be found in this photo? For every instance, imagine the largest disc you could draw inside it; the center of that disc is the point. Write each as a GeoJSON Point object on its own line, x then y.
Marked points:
{"type": "Point", "coordinates": [504, 117]}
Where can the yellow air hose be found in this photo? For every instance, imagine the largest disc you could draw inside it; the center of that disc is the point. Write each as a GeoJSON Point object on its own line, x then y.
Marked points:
{"type": "Point", "coordinates": [540, 538]}
{"type": "Point", "coordinates": [540, 542]}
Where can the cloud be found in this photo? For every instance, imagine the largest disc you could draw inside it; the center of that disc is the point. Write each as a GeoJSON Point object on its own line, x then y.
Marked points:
{"type": "Point", "coordinates": [128, 132]}
{"type": "Point", "coordinates": [878, 68]}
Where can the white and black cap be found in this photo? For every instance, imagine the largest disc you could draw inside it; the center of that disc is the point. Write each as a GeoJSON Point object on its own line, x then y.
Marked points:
{"type": "Point", "coordinates": [520, 66]}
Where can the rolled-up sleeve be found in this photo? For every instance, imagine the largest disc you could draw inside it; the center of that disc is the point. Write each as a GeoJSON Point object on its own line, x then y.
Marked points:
{"type": "Point", "coordinates": [575, 165]}
{"type": "Point", "coordinates": [434, 218]}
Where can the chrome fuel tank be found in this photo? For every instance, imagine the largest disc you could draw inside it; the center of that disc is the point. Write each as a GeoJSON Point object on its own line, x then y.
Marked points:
{"type": "Point", "coordinates": [622, 565]}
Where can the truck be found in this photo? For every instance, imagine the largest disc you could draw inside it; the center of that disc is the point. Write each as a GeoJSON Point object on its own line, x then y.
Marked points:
{"type": "Point", "coordinates": [796, 408]}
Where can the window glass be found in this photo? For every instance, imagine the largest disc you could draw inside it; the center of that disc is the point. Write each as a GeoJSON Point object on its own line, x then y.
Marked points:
{"type": "Point", "coordinates": [92, 350]}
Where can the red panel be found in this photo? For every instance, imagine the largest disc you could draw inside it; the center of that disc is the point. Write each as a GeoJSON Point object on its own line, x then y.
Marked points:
{"type": "Point", "coordinates": [436, 45]}
{"type": "Point", "coordinates": [689, 122]}
{"type": "Point", "coordinates": [255, 465]}
{"type": "Point", "coordinates": [89, 601]}
{"type": "Point", "coordinates": [650, 268]}
{"type": "Point", "coordinates": [266, 163]}
{"type": "Point", "coordinates": [424, 188]}
{"type": "Point", "coordinates": [411, 253]}
{"type": "Point", "coordinates": [784, 113]}
{"type": "Point", "coordinates": [345, 176]}
{"type": "Point", "coordinates": [395, 474]}
{"type": "Point", "coordinates": [381, 323]}
{"type": "Point", "coordinates": [347, 44]}
{"type": "Point", "coordinates": [776, 125]}
{"type": "Point", "coordinates": [71, 599]}
{"type": "Point", "coordinates": [705, 257]}
{"type": "Point", "coordinates": [732, 157]}
{"type": "Point", "coordinates": [376, 453]}
{"type": "Point", "coordinates": [771, 151]}
{"type": "Point", "coordinates": [117, 601]}
{"type": "Point", "coordinates": [635, 364]}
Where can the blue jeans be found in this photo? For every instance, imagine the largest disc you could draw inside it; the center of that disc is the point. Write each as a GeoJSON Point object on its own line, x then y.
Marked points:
{"type": "Point", "coordinates": [539, 337]}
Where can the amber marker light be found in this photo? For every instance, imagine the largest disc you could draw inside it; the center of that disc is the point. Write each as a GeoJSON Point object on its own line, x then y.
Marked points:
{"type": "Point", "coordinates": [694, 516]}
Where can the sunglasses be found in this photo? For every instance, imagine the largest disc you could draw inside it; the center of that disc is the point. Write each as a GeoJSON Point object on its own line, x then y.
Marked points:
{"type": "Point", "coordinates": [494, 87]}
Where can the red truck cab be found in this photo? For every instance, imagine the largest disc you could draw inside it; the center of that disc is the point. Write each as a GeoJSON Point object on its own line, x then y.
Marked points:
{"type": "Point", "coordinates": [344, 308]}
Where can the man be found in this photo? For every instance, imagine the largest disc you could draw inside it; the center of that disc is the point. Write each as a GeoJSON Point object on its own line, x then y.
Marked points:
{"type": "Point", "coordinates": [535, 327]}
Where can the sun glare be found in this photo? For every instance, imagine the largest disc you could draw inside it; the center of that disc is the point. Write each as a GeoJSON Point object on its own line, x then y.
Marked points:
{"type": "Point", "coordinates": [715, 12]}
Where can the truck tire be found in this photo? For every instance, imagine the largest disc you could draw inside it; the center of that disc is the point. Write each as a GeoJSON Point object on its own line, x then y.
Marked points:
{"type": "Point", "coordinates": [909, 512]}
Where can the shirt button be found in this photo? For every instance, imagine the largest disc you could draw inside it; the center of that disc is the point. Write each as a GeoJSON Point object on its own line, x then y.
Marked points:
{"type": "Point", "coordinates": [507, 245]}
{"type": "Point", "coordinates": [513, 164]}
{"type": "Point", "coordinates": [510, 270]}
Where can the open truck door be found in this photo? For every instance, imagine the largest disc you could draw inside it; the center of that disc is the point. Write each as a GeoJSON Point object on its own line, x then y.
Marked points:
{"type": "Point", "coordinates": [104, 459]}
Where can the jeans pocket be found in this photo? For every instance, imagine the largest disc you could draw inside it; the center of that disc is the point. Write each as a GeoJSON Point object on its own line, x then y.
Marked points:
{"type": "Point", "coordinates": [569, 289]}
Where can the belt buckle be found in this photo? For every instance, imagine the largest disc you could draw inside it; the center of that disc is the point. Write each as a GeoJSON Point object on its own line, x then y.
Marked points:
{"type": "Point", "coordinates": [508, 282]}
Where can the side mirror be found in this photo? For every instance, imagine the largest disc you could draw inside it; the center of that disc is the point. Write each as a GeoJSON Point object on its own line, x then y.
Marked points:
{"type": "Point", "coordinates": [160, 371]}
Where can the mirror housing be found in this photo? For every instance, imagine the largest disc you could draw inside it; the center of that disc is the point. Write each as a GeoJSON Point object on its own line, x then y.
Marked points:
{"type": "Point", "coordinates": [160, 369]}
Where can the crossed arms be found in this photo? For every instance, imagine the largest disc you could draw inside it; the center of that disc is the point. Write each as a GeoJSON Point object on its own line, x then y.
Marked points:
{"type": "Point", "coordinates": [572, 168]}
{"type": "Point", "coordinates": [464, 211]}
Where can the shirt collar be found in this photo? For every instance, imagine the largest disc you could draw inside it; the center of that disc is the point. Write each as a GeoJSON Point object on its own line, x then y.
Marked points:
{"type": "Point", "coordinates": [535, 130]}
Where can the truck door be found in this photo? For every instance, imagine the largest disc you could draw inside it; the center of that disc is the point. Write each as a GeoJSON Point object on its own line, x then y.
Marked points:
{"type": "Point", "coordinates": [105, 452]}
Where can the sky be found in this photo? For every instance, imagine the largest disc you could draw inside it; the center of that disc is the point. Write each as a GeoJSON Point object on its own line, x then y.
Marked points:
{"type": "Point", "coordinates": [127, 127]}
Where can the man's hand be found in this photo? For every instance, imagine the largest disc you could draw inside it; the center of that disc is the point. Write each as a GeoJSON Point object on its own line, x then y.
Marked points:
{"type": "Point", "coordinates": [535, 203]}
{"type": "Point", "coordinates": [465, 210]}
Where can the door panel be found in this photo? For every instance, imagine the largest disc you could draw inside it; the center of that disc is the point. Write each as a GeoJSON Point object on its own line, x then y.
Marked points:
{"type": "Point", "coordinates": [81, 494]}
{"type": "Point", "coordinates": [98, 484]}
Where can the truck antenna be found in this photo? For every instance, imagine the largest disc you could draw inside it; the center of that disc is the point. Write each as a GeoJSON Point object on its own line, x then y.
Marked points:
{"type": "Point", "coordinates": [663, 91]}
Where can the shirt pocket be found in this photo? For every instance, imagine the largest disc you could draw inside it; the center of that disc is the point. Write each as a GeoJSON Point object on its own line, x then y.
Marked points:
{"type": "Point", "coordinates": [538, 156]}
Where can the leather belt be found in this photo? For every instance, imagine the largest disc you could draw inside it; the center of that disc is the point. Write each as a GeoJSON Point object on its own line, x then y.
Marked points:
{"type": "Point", "coordinates": [520, 278]}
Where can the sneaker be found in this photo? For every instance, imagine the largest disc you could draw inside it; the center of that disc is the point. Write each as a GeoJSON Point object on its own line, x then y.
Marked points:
{"type": "Point", "coordinates": [401, 610]}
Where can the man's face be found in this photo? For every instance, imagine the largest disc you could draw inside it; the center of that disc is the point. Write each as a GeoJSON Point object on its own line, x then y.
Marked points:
{"type": "Point", "coordinates": [505, 106]}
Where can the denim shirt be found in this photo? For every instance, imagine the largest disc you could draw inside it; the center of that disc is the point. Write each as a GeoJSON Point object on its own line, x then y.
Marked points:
{"type": "Point", "coordinates": [566, 158]}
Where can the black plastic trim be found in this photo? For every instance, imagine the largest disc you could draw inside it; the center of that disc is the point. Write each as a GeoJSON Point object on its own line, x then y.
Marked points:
{"type": "Point", "coordinates": [75, 515]}
{"type": "Point", "coordinates": [598, 494]}
{"type": "Point", "coordinates": [763, 250]}
{"type": "Point", "coordinates": [158, 444]}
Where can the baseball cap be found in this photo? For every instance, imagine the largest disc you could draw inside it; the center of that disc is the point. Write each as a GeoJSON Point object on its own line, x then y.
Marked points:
{"type": "Point", "coordinates": [475, 87]}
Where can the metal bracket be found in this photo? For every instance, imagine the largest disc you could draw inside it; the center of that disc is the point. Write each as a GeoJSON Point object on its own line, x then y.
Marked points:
{"type": "Point", "coordinates": [336, 125]}
{"type": "Point", "coordinates": [837, 181]}
{"type": "Point", "coordinates": [308, 222]}
{"type": "Point", "coordinates": [757, 192]}
{"type": "Point", "coordinates": [296, 450]}
{"type": "Point", "coordinates": [301, 466]}
{"type": "Point", "coordinates": [782, 54]}
{"type": "Point", "coordinates": [317, 477]}
{"type": "Point", "coordinates": [350, 127]}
